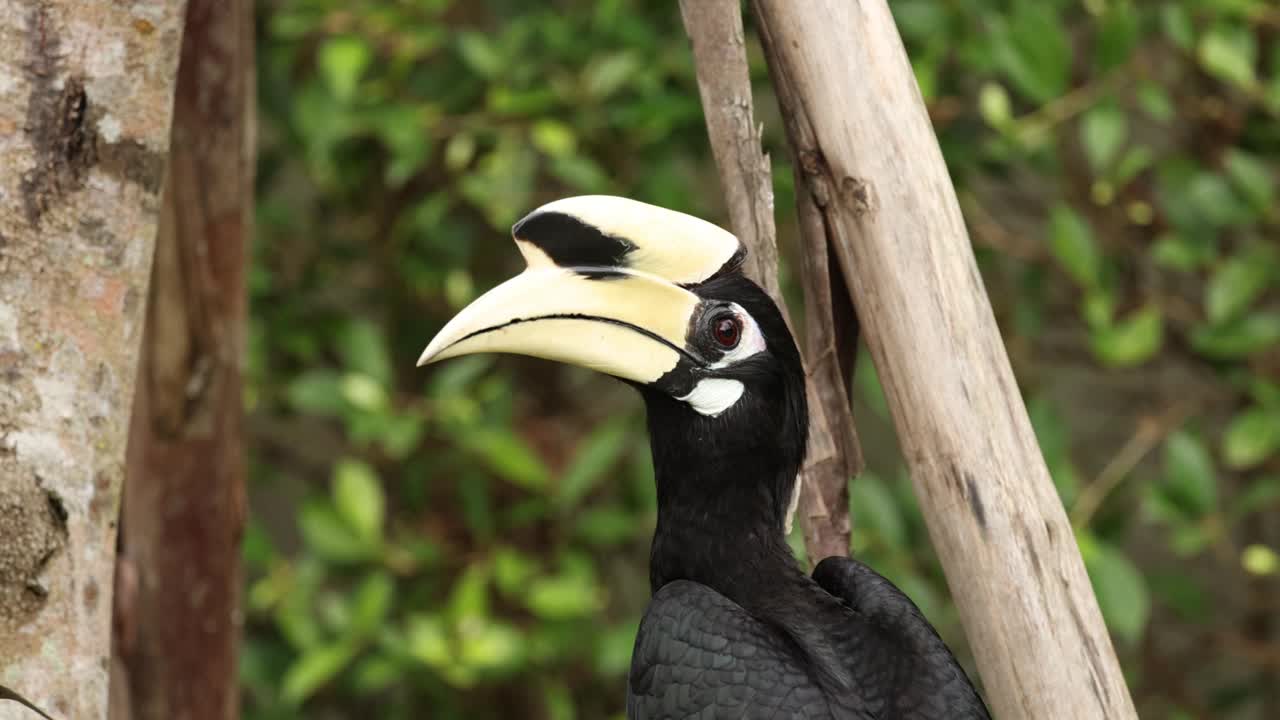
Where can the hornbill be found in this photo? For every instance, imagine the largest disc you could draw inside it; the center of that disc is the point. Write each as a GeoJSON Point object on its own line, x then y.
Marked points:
{"type": "Point", "coordinates": [734, 628]}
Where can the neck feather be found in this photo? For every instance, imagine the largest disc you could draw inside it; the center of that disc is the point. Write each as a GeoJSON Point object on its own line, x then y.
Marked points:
{"type": "Point", "coordinates": [724, 486]}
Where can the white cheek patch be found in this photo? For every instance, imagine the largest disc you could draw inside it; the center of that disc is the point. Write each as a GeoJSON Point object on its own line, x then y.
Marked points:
{"type": "Point", "coordinates": [712, 396]}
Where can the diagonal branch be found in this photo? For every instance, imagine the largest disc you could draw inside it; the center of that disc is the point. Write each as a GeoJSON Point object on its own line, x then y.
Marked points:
{"type": "Point", "coordinates": [872, 170]}
{"type": "Point", "coordinates": [724, 84]}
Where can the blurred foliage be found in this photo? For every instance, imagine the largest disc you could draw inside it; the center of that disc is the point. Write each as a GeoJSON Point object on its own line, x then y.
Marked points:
{"type": "Point", "coordinates": [471, 541]}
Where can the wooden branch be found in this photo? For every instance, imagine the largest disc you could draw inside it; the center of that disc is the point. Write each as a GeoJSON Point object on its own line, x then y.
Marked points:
{"type": "Point", "coordinates": [84, 116]}
{"type": "Point", "coordinates": [724, 83]}
{"type": "Point", "coordinates": [177, 616]}
{"type": "Point", "coordinates": [872, 168]}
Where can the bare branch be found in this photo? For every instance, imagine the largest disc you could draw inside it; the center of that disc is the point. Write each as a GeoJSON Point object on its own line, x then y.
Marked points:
{"type": "Point", "coordinates": [724, 84]}
{"type": "Point", "coordinates": [184, 504]}
{"type": "Point", "coordinates": [871, 165]}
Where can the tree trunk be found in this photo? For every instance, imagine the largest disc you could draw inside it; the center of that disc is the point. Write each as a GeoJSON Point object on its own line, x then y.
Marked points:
{"type": "Point", "coordinates": [177, 605]}
{"type": "Point", "coordinates": [724, 83]}
{"type": "Point", "coordinates": [873, 170]}
{"type": "Point", "coordinates": [86, 94]}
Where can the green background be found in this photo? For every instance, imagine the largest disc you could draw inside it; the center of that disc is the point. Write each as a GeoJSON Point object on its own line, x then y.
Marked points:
{"type": "Point", "coordinates": [471, 540]}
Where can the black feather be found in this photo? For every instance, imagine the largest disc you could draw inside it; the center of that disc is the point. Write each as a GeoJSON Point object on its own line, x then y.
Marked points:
{"type": "Point", "coordinates": [735, 628]}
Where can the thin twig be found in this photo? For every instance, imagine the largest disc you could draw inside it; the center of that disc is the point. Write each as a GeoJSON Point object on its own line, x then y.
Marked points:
{"type": "Point", "coordinates": [1148, 435]}
{"type": "Point", "coordinates": [990, 232]}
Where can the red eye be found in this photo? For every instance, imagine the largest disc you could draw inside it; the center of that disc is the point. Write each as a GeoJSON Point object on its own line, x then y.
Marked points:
{"type": "Point", "coordinates": [727, 330]}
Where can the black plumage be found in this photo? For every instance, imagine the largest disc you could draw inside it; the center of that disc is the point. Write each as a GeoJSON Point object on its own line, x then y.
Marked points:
{"type": "Point", "coordinates": [735, 629]}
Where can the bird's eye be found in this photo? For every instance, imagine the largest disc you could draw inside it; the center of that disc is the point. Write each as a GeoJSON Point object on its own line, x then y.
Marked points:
{"type": "Point", "coordinates": [727, 330]}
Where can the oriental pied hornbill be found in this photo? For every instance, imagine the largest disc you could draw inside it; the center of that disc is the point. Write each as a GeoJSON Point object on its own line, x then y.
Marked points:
{"type": "Point", "coordinates": [734, 628]}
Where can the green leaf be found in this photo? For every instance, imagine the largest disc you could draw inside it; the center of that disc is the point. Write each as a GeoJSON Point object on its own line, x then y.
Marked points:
{"type": "Point", "coordinates": [342, 61]}
{"type": "Point", "coordinates": [456, 377]}
{"type": "Point", "coordinates": [554, 138]}
{"type": "Point", "coordinates": [480, 54]}
{"type": "Point", "coordinates": [1176, 21]}
{"type": "Point", "coordinates": [315, 668]}
{"type": "Point", "coordinates": [490, 646]}
{"type": "Point", "coordinates": [1117, 35]}
{"type": "Point", "coordinates": [316, 392]}
{"type": "Point", "coordinates": [1230, 53]}
{"type": "Point", "coordinates": [1196, 201]}
{"type": "Point", "coordinates": [509, 456]}
{"type": "Point", "coordinates": [1098, 308]}
{"type": "Point", "coordinates": [1181, 592]}
{"type": "Point", "coordinates": [1260, 560]}
{"type": "Point", "coordinates": [256, 548]}
{"type": "Point", "coordinates": [512, 570]}
{"type": "Point", "coordinates": [874, 511]}
{"type": "Point", "coordinates": [605, 76]}
{"type": "Point", "coordinates": [376, 674]}
{"type": "Point", "coordinates": [326, 533]}
{"type": "Point", "coordinates": [371, 604]}
{"type": "Point", "coordinates": [608, 525]}
{"type": "Point", "coordinates": [1265, 391]}
{"type": "Point", "coordinates": [469, 599]}
{"type": "Point", "coordinates": [563, 597]}
{"type": "Point", "coordinates": [363, 347]}
{"type": "Point", "coordinates": [1033, 50]}
{"type": "Point", "coordinates": [1238, 338]}
{"type": "Point", "coordinates": [920, 19]}
{"type": "Point", "coordinates": [581, 172]}
{"type": "Point", "coordinates": [613, 649]}
{"type": "Point", "coordinates": [1179, 252]}
{"type": "Point", "coordinates": [459, 151]}
{"type": "Point", "coordinates": [1121, 590]}
{"type": "Point", "coordinates": [1052, 433]}
{"type": "Point", "coordinates": [994, 105]}
{"type": "Point", "coordinates": [1251, 437]}
{"type": "Point", "coordinates": [363, 392]}
{"type": "Point", "coordinates": [358, 497]}
{"type": "Point", "coordinates": [925, 69]}
{"type": "Point", "coordinates": [1252, 178]}
{"type": "Point", "coordinates": [1189, 473]}
{"type": "Point", "coordinates": [476, 501]}
{"type": "Point", "coordinates": [1155, 102]}
{"type": "Point", "coordinates": [596, 455]}
{"type": "Point", "coordinates": [1236, 283]}
{"type": "Point", "coordinates": [558, 702]}
{"type": "Point", "coordinates": [1262, 495]}
{"type": "Point", "coordinates": [1131, 342]}
{"type": "Point", "coordinates": [294, 613]}
{"type": "Point", "coordinates": [1102, 133]}
{"type": "Point", "coordinates": [1135, 160]}
{"type": "Point", "coordinates": [428, 641]}
{"type": "Point", "coordinates": [400, 435]}
{"type": "Point", "coordinates": [1071, 241]}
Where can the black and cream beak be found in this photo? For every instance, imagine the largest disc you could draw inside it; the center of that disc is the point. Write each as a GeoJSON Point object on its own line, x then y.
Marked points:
{"type": "Point", "coordinates": [611, 286]}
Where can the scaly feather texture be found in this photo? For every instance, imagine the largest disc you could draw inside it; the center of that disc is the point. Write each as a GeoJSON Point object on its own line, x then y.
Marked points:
{"type": "Point", "coordinates": [735, 629]}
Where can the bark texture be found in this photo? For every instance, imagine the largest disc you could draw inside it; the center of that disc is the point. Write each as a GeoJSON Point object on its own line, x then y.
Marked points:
{"type": "Point", "coordinates": [177, 619]}
{"type": "Point", "coordinates": [86, 93]}
{"type": "Point", "coordinates": [724, 84]}
{"type": "Point", "coordinates": [880, 190]}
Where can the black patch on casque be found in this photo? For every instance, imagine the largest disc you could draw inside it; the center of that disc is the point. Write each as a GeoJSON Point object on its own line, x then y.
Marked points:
{"type": "Point", "coordinates": [572, 243]}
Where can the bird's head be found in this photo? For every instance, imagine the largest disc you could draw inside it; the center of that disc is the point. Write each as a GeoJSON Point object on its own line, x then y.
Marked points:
{"type": "Point", "coordinates": [656, 298]}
